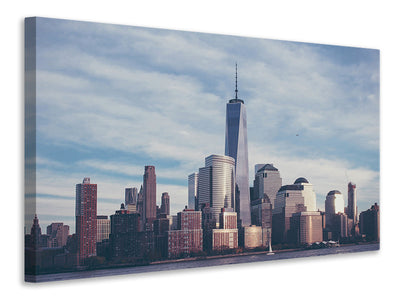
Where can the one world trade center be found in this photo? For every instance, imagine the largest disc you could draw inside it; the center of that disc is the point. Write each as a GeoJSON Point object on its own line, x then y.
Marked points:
{"type": "Point", "coordinates": [236, 147]}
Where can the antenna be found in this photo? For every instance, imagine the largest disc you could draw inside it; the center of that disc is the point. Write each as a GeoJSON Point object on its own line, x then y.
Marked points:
{"type": "Point", "coordinates": [236, 90]}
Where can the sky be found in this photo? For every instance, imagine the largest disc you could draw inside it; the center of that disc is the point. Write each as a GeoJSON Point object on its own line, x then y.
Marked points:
{"type": "Point", "coordinates": [111, 99]}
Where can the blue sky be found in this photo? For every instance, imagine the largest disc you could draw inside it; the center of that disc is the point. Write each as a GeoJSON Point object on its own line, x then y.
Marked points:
{"type": "Point", "coordinates": [112, 99]}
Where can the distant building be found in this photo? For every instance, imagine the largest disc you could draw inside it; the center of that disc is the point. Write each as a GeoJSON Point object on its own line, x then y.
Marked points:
{"type": "Point", "coordinates": [217, 184]}
{"type": "Point", "coordinates": [306, 227]}
{"type": "Point", "coordinates": [236, 147]}
{"type": "Point", "coordinates": [267, 182]}
{"type": "Point", "coordinates": [253, 236]}
{"type": "Point", "coordinates": [57, 234]}
{"type": "Point", "coordinates": [165, 204]}
{"type": "Point", "coordinates": [140, 207]}
{"type": "Point", "coordinates": [131, 195]}
{"type": "Point", "coordinates": [131, 208]}
{"type": "Point", "coordinates": [291, 199]}
{"type": "Point", "coordinates": [334, 203]}
{"type": "Point", "coordinates": [126, 239]}
{"type": "Point", "coordinates": [370, 223]}
{"type": "Point", "coordinates": [103, 228]}
{"type": "Point", "coordinates": [352, 202]}
{"type": "Point", "coordinates": [208, 224]}
{"type": "Point", "coordinates": [226, 237]}
{"type": "Point", "coordinates": [86, 219]}
{"type": "Point", "coordinates": [188, 239]}
{"type": "Point", "coordinates": [149, 196]}
{"type": "Point", "coordinates": [35, 236]}
{"type": "Point", "coordinates": [192, 191]}
{"type": "Point", "coordinates": [261, 212]}
{"type": "Point", "coordinates": [336, 226]}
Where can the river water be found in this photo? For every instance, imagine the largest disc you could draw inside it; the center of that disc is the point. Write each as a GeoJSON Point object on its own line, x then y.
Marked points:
{"type": "Point", "coordinates": [202, 263]}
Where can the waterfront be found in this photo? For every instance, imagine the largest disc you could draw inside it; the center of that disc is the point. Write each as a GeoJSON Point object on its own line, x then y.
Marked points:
{"type": "Point", "coordinates": [218, 261]}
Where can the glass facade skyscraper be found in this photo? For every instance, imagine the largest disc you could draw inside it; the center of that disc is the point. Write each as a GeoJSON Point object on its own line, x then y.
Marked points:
{"type": "Point", "coordinates": [192, 190]}
{"type": "Point", "coordinates": [236, 147]}
{"type": "Point", "coordinates": [217, 184]}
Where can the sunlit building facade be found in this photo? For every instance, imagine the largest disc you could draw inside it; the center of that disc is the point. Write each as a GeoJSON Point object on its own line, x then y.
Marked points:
{"type": "Point", "coordinates": [291, 199]}
{"type": "Point", "coordinates": [217, 184]}
{"type": "Point", "coordinates": [103, 228]}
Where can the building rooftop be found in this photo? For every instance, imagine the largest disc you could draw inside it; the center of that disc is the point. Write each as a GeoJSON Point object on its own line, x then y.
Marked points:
{"type": "Point", "coordinates": [291, 187]}
{"type": "Point", "coordinates": [236, 101]}
{"type": "Point", "coordinates": [301, 180]}
{"type": "Point", "coordinates": [334, 192]}
{"type": "Point", "coordinates": [267, 167]}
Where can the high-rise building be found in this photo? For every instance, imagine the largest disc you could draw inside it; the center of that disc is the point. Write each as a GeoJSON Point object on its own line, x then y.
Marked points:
{"type": "Point", "coordinates": [370, 223]}
{"type": "Point", "coordinates": [149, 196]}
{"type": "Point", "coordinates": [267, 181]}
{"type": "Point", "coordinates": [352, 202]}
{"type": "Point", "coordinates": [253, 236]}
{"type": "Point", "coordinates": [165, 204]}
{"type": "Point", "coordinates": [188, 239]}
{"type": "Point", "coordinates": [226, 236]}
{"type": "Point", "coordinates": [217, 184]}
{"type": "Point", "coordinates": [86, 219]}
{"type": "Point", "coordinates": [36, 233]}
{"type": "Point", "coordinates": [140, 207]}
{"type": "Point", "coordinates": [192, 191]}
{"type": "Point", "coordinates": [58, 234]}
{"type": "Point", "coordinates": [261, 212]}
{"type": "Point", "coordinates": [290, 199]}
{"type": "Point", "coordinates": [306, 227]}
{"type": "Point", "coordinates": [334, 203]}
{"type": "Point", "coordinates": [131, 196]}
{"type": "Point", "coordinates": [103, 228]}
{"type": "Point", "coordinates": [336, 221]}
{"type": "Point", "coordinates": [236, 147]}
{"type": "Point", "coordinates": [126, 239]}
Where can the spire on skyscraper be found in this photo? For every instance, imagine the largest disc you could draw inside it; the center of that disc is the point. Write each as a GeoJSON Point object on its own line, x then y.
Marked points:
{"type": "Point", "coordinates": [236, 90]}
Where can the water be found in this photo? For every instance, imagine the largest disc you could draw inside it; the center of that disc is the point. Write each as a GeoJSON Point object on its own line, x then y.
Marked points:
{"type": "Point", "coordinates": [202, 263]}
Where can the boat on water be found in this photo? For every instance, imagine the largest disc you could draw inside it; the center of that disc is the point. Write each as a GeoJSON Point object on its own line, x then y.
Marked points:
{"type": "Point", "coordinates": [270, 248]}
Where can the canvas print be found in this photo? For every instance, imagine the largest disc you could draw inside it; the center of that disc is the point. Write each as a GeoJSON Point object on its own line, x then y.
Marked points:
{"type": "Point", "coordinates": [151, 149]}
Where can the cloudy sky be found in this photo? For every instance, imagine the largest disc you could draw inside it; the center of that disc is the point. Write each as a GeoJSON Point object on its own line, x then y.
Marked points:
{"type": "Point", "coordinates": [112, 99]}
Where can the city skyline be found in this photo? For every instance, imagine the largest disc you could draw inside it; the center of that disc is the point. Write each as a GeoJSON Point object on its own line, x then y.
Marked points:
{"type": "Point", "coordinates": [102, 101]}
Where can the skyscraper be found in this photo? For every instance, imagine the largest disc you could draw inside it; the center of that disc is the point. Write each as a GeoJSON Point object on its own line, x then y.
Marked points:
{"type": "Point", "coordinates": [149, 195]}
{"type": "Point", "coordinates": [217, 184]}
{"type": "Point", "coordinates": [335, 219]}
{"type": "Point", "coordinates": [189, 236]}
{"type": "Point", "coordinates": [334, 203]}
{"type": "Point", "coordinates": [236, 147]}
{"type": "Point", "coordinates": [86, 218]}
{"type": "Point", "coordinates": [192, 191]}
{"type": "Point", "coordinates": [57, 234]}
{"type": "Point", "coordinates": [291, 199]}
{"type": "Point", "coordinates": [267, 181]}
{"type": "Point", "coordinates": [131, 196]}
{"type": "Point", "coordinates": [103, 228]}
{"type": "Point", "coordinates": [165, 203]}
{"type": "Point", "coordinates": [352, 202]}
{"type": "Point", "coordinates": [370, 223]}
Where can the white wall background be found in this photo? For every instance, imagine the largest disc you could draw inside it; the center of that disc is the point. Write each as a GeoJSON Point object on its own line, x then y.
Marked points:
{"type": "Point", "coordinates": [369, 24]}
